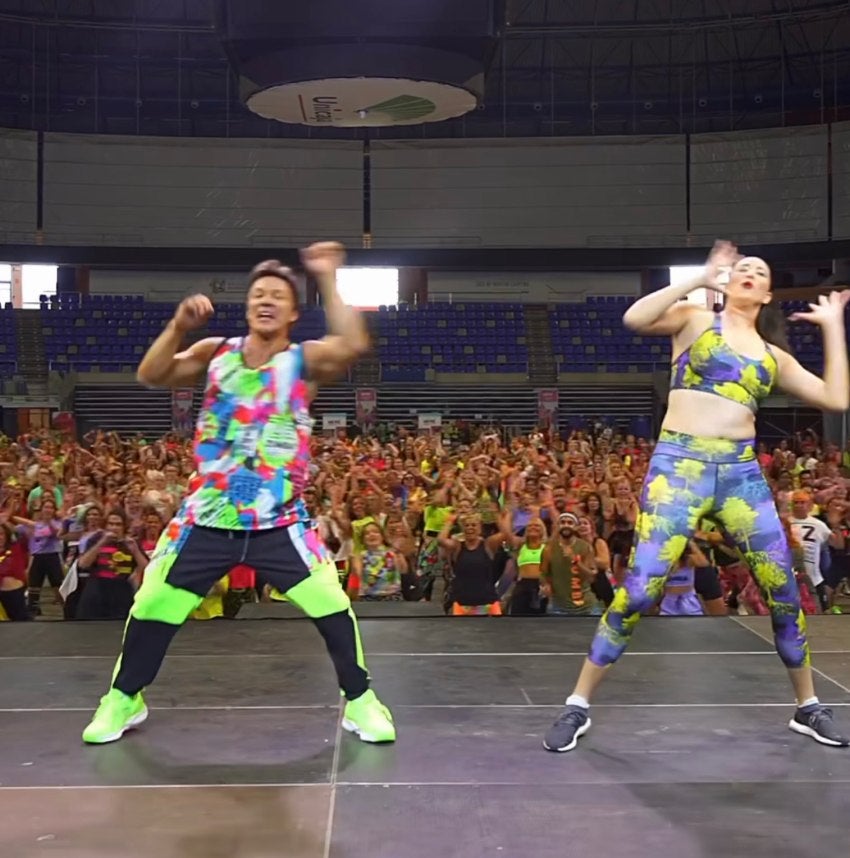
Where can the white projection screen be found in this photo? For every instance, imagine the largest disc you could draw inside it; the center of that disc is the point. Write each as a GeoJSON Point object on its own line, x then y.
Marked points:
{"type": "Point", "coordinates": [18, 192]}
{"type": "Point", "coordinates": [760, 186]}
{"type": "Point", "coordinates": [581, 192]}
{"type": "Point", "coordinates": [201, 192]}
{"type": "Point", "coordinates": [841, 179]}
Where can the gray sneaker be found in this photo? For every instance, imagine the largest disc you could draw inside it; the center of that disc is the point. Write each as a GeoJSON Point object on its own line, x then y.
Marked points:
{"type": "Point", "coordinates": [564, 734]}
{"type": "Point", "coordinates": [818, 724]}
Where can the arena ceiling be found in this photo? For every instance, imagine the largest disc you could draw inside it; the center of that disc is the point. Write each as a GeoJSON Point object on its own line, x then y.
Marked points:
{"type": "Point", "coordinates": [552, 67]}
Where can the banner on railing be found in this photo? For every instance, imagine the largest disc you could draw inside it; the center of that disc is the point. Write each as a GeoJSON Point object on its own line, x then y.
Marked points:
{"type": "Point", "coordinates": [181, 410]}
{"type": "Point", "coordinates": [333, 422]}
{"type": "Point", "coordinates": [366, 406]}
{"type": "Point", "coordinates": [65, 424]}
{"type": "Point", "coordinates": [547, 407]}
{"type": "Point", "coordinates": [430, 421]}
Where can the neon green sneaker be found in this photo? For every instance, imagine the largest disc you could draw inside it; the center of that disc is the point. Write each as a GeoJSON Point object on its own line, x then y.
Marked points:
{"type": "Point", "coordinates": [116, 714]}
{"type": "Point", "coordinates": [834, 610]}
{"type": "Point", "coordinates": [369, 719]}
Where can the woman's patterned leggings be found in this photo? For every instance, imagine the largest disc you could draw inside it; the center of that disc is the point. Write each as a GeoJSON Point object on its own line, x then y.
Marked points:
{"type": "Point", "coordinates": [691, 478]}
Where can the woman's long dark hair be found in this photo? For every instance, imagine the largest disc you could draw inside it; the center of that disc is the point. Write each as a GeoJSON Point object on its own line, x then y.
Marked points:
{"type": "Point", "coordinates": [118, 512]}
{"type": "Point", "coordinates": [598, 518]}
{"type": "Point", "coordinates": [772, 328]}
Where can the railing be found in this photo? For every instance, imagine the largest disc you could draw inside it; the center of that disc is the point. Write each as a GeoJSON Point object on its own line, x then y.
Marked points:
{"type": "Point", "coordinates": [656, 365]}
{"type": "Point", "coordinates": [560, 363]}
{"type": "Point", "coordinates": [444, 369]}
{"type": "Point", "coordinates": [70, 366]}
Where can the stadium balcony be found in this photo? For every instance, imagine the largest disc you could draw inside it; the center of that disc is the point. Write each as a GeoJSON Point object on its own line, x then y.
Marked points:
{"type": "Point", "coordinates": [590, 337]}
{"type": "Point", "coordinates": [106, 333]}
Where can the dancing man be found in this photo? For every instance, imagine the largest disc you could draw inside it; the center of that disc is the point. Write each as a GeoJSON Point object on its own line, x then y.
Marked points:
{"type": "Point", "coordinates": [245, 506]}
{"type": "Point", "coordinates": [705, 465]}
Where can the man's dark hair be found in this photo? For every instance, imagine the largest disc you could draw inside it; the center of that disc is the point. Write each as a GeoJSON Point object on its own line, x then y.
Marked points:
{"type": "Point", "coordinates": [274, 268]}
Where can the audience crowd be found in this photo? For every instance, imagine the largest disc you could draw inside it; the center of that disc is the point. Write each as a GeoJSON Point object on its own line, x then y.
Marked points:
{"type": "Point", "coordinates": [469, 519]}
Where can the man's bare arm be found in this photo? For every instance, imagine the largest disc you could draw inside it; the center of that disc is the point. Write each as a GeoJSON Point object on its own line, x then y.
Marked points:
{"type": "Point", "coordinates": [347, 338]}
{"type": "Point", "coordinates": [164, 364]}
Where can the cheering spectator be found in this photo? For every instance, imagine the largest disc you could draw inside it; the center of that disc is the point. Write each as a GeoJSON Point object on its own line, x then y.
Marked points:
{"type": "Point", "coordinates": [376, 570]}
{"type": "Point", "coordinates": [411, 486]}
{"type": "Point", "coordinates": [45, 546]}
{"type": "Point", "coordinates": [472, 588]}
{"type": "Point", "coordinates": [815, 537]}
{"type": "Point", "coordinates": [568, 571]}
{"type": "Point", "coordinates": [13, 573]}
{"type": "Point", "coordinates": [112, 559]}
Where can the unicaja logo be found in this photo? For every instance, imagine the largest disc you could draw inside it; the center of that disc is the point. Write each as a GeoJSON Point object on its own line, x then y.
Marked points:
{"type": "Point", "coordinates": [362, 102]}
{"type": "Point", "coordinates": [323, 109]}
{"type": "Point", "coordinates": [405, 108]}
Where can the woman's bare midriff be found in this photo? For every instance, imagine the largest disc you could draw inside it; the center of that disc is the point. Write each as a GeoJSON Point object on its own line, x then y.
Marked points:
{"type": "Point", "coordinates": [529, 570]}
{"type": "Point", "coordinates": [694, 412]}
{"type": "Point", "coordinates": [678, 591]}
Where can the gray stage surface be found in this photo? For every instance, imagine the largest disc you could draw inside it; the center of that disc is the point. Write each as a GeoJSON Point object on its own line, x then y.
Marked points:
{"type": "Point", "coordinates": [364, 610]}
{"type": "Point", "coordinates": [243, 755]}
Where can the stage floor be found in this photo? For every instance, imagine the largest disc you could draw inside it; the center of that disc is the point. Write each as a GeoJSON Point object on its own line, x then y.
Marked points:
{"type": "Point", "coordinates": [243, 756]}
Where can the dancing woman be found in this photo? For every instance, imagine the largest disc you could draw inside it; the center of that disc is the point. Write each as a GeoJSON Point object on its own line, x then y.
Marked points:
{"type": "Point", "coordinates": [527, 600]}
{"type": "Point", "coordinates": [705, 465]}
{"type": "Point", "coordinates": [472, 555]}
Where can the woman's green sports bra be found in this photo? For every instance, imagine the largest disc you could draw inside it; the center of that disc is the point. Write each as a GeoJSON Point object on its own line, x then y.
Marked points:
{"type": "Point", "coordinates": [527, 556]}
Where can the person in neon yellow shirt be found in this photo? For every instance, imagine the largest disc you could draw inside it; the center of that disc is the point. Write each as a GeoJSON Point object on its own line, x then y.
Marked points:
{"type": "Point", "coordinates": [433, 566]}
{"type": "Point", "coordinates": [213, 605]}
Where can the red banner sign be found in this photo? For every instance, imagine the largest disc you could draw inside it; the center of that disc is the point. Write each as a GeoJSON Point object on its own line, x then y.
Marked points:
{"type": "Point", "coordinates": [547, 407]}
{"type": "Point", "coordinates": [366, 403]}
{"type": "Point", "coordinates": [181, 410]}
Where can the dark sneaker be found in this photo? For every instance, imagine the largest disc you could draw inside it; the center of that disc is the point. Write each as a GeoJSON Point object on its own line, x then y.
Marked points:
{"type": "Point", "coordinates": [564, 734]}
{"type": "Point", "coordinates": [818, 724]}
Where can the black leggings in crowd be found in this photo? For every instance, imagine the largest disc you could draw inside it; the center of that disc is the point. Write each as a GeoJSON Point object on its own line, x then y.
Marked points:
{"type": "Point", "coordinates": [43, 566]}
{"type": "Point", "coordinates": [602, 588]}
{"type": "Point", "coordinates": [15, 604]}
{"type": "Point", "coordinates": [526, 600]}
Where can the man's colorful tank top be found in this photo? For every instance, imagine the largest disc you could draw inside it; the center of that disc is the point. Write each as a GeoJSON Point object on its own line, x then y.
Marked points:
{"type": "Point", "coordinates": [252, 443]}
